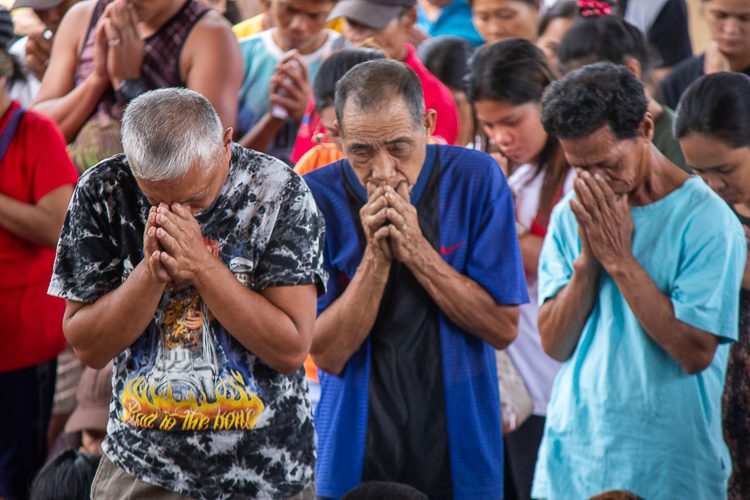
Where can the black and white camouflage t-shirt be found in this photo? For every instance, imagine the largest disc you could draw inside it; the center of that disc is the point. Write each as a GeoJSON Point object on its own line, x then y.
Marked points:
{"type": "Point", "coordinates": [193, 410]}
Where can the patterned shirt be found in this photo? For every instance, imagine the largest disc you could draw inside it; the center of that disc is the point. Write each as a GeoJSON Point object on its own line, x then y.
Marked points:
{"type": "Point", "coordinates": [193, 410]}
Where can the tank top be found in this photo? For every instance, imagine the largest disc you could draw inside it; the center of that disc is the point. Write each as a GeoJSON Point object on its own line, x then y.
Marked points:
{"type": "Point", "coordinates": [161, 62]}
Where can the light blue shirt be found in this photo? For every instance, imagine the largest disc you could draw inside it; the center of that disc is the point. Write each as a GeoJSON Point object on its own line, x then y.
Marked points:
{"type": "Point", "coordinates": [261, 55]}
{"type": "Point", "coordinates": [623, 413]}
{"type": "Point", "coordinates": [454, 19]}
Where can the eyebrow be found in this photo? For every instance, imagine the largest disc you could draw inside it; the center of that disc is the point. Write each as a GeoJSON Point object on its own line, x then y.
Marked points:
{"type": "Point", "coordinates": [196, 197]}
{"type": "Point", "coordinates": [712, 167]}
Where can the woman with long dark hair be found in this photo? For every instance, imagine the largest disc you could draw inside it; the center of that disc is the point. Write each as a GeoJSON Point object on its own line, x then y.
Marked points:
{"type": "Point", "coordinates": [506, 84]}
{"type": "Point", "coordinates": [713, 126]}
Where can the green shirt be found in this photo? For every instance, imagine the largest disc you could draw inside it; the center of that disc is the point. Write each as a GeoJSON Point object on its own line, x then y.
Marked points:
{"type": "Point", "coordinates": [665, 141]}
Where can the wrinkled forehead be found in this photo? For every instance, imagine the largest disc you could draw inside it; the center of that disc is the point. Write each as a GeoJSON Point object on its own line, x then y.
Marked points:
{"type": "Point", "coordinates": [595, 148]}
{"type": "Point", "coordinates": [389, 117]}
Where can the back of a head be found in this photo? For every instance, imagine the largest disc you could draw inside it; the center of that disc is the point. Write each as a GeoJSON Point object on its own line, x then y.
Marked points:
{"type": "Point", "coordinates": [377, 490]}
{"type": "Point", "coordinates": [446, 57]}
{"type": "Point", "coordinates": [593, 97]}
{"type": "Point", "coordinates": [374, 83]}
{"type": "Point", "coordinates": [334, 68]}
{"type": "Point", "coordinates": [616, 495]}
{"type": "Point", "coordinates": [67, 477]}
{"type": "Point", "coordinates": [602, 39]}
{"type": "Point", "coordinates": [513, 70]}
{"type": "Point", "coordinates": [165, 132]}
{"type": "Point", "coordinates": [716, 105]}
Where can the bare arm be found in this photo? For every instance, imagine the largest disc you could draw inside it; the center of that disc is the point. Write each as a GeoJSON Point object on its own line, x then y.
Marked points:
{"type": "Point", "coordinates": [262, 133]}
{"type": "Point", "coordinates": [59, 98]}
{"type": "Point", "coordinates": [462, 299]}
{"type": "Point", "coordinates": [213, 65]}
{"type": "Point", "coordinates": [38, 223]}
{"type": "Point", "coordinates": [342, 328]}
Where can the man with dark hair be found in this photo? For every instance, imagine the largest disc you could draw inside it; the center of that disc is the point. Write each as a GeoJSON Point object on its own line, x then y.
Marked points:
{"type": "Point", "coordinates": [638, 276]}
{"type": "Point", "coordinates": [425, 279]}
{"type": "Point", "coordinates": [389, 23]}
{"type": "Point", "coordinates": [378, 490]}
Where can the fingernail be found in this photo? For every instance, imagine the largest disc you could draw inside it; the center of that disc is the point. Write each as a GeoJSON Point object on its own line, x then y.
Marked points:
{"type": "Point", "coordinates": [585, 175]}
{"type": "Point", "coordinates": [597, 177]}
{"type": "Point", "coordinates": [177, 205]}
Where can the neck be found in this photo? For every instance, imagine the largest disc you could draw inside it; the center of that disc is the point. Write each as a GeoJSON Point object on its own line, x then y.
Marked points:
{"type": "Point", "coordinates": [149, 27]}
{"type": "Point", "coordinates": [743, 209]}
{"type": "Point", "coordinates": [402, 54]}
{"type": "Point", "coordinates": [661, 178]}
{"type": "Point", "coordinates": [739, 62]}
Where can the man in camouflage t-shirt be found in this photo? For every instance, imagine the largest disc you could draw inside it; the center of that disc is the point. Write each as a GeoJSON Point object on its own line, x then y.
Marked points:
{"type": "Point", "coordinates": [196, 264]}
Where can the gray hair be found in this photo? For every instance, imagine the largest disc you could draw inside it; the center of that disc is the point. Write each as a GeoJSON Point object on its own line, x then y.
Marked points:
{"type": "Point", "coordinates": [167, 131]}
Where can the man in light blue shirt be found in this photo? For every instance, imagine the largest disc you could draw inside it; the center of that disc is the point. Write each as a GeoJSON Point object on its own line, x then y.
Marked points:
{"type": "Point", "coordinates": [639, 277]}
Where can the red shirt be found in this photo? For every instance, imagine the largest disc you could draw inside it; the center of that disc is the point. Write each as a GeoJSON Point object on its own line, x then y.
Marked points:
{"type": "Point", "coordinates": [35, 164]}
{"type": "Point", "coordinates": [437, 97]}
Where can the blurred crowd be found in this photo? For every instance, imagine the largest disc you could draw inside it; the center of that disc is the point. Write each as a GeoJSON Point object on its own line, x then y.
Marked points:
{"type": "Point", "coordinates": [374, 249]}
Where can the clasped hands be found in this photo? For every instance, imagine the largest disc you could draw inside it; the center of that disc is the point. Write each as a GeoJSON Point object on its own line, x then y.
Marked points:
{"type": "Point", "coordinates": [391, 225]}
{"type": "Point", "coordinates": [118, 47]}
{"type": "Point", "coordinates": [605, 225]}
{"type": "Point", "coordinates": [173, 244]}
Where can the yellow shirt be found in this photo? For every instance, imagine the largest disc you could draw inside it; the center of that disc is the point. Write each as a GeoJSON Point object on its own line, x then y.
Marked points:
{"type": "Point", "coordinates": [254, 25]}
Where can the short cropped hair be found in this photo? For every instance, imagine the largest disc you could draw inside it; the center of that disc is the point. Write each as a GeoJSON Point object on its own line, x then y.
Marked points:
{"type": "Point", "coordinates": [374, 83]}
{"type": "Point", "coordinates": [716, 105]}
{"type": "Point", "coordinates": [592, 97]}
{"type": "Point", "coordinates": [336, 66]}
{"type": "Point", "coordinates": [67, 477]}
{"type": "Point", "coordinates": [166, 132]}
{"type": "Point", "coordinates": [379, 490]}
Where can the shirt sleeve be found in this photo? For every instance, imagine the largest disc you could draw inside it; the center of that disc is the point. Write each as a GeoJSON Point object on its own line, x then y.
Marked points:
{"type": "Point", "coordinates": [88, 264]}
{"type": "Point", "coordinates": [670, 34]}
{"type": "Point", "coordinates": [494, 259]}
{"type": "Point", "coordinates": [294, 254]}
{"type": "Point", "coordinates": [51, 164]}
{"type": "Point", "coordinates": [705, 293]}
{"type": "Point", "coordinates": [560, 248]}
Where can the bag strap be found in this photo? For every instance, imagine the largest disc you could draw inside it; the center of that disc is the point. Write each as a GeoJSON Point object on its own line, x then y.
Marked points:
{"type": "Point", "coordinates": [10, 130]}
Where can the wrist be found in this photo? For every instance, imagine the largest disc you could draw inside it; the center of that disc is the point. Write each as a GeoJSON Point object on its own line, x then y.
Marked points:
{"type": "Point", "coordinates": [147, 276]}
{"type": "Point", "coordinates": [99, 82]}
{"type": "Point", "coordinates": [206, 271]}
{"type": "Point", "coordinates": [620, 268]}
{"type": "Point", "coordinates": [375, 265]}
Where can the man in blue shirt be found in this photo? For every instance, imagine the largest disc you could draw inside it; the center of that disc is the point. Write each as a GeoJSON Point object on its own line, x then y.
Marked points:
{"type": "Point", "coordinates": [448, 17]}
{"type": "Point", "coordinates": [425, 279]}
{"type": "Point", "coordinates": [639, 278]}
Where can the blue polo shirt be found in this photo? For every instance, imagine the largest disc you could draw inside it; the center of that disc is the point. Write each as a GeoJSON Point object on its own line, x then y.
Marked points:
{"type": "Point", "coordinates": [418, 403]}
{"type": "Point", "coordinates": [623, 413]}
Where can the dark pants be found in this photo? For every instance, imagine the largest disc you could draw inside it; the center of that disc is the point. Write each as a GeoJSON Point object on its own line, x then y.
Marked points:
{"type": "Point", "coordinates": [26, 405]}
{"type": "Point", "coordinates": [521, 450]}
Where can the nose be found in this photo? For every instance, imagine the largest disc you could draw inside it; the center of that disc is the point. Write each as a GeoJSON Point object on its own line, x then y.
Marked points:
{"type": "Point", "coordinates": [502, 137]}
{"type": "Point", "coordinates": [732, 26]}
{"type": "Point", "coordinates": [297, 23]}
{"type": "Point", "coordinates": [383, 166]}
{"type": "Point", "coordinates": [713, 182]}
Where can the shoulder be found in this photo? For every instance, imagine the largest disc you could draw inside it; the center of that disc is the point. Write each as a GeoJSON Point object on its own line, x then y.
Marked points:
{"type": "Point", "coordinates": [210, 34]}
{"type": "Point", "coordinates": [267, 177]}
{"type": "Point", "coordinates": [251, 41]}
{"type": "Point", "coordinates": [108, 177]}
{"type": "Point", "coordinates": [468, 163]}
{"type": "Point", "coordinates": [323, 179]}
{"type": "Point", "coordinates": [683, 73]}
{"type": "Point", "coordinates": [79, 16]}
{"type": "Point", "coordinates": [706, 213]}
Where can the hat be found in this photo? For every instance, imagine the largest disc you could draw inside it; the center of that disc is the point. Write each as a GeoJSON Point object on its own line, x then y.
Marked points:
{"type": "Point", "coordinates": [6, 29]}
{"type": "Point", "coordinates": [36, 4]}
{"type": "Point", "coordinates": [372, 13]}
{"type": "Point", "coordinates": [94, 394]}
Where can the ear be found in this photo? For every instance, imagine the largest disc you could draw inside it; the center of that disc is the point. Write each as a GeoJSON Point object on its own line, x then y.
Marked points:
{"type": "Point", "coordinates": [646, 129]}
{"type": "Point", "coordinates": [634, 66]}
{"type": "Point", "coordinates": [430, 120]}
{"type": "Point", "coordinates": [409, 19]}
{"type": "Point", "coordinates": [226, 149]}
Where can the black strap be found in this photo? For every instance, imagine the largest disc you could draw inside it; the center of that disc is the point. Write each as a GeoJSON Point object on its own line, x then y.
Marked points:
{"type": "Point", "coordinates": [10, 130]}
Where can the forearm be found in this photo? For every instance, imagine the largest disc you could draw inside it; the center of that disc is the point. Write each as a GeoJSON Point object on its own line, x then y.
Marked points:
{"type": "Point", "coordinates": [261, 135]}
{"type": "Point", "coordinates": [692, 348]}
{"type": "Point", "coordinates": [342, 328]}
{"type": "Point", "coordinates": [102, 330]}
{"type": "Point", "coordinates": [29, 221]}
{"type": "Point", "coordinates": [71, 111]}
{"type": "Point", "coordinates": [464, 301]}
{"type": "Point", "coordinates": [260, 326]}
{"type": "Point", "coordinates": [562, 318]}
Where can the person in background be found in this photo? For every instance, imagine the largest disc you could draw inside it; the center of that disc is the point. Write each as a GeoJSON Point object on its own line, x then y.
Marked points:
{"type": "Point", "coordinates": [260, 22]}
{"type": "Point", "coordinates": [195, 264]}
{"type": "Point", "coordinates": [607, 38]}
{"type": "Point", "coordinates": [67, 477]}
{"type": "Point", "coordinates": [552, 27]}
{"type": "Point", "coordinates": [226, 8]}
{"type": "Point", "coordinates": [713, 126]}
{"type": "Point", "coordinates": [425, 279]}
{"type": "Point", "coordinates": [447, 57]}
{"type": "Point", "coordinates": [389, 23]}
{"type": "Point", "coordinates": [36, 184]}
{"type": "Point", "coordinates": [328, 147]}
{"type": "Point", "coordinates": [665, 23]}
{"type": "Point", "coordinates": [729, 49]}
{"type": "Point", "coordinates": [107, 52]}
{"type": "Point", "coordinates": [447, 17]}
{"type": "Point", "coordinates": [92, 412]}
{"type": "Point", "coordinates": [505, 85]}
{"type": "Point", "coordinates": [33, 50]}
{"type": "Point", "coordinates": [280, 63]}
{"type": "Point", "coordinates": [500, 19]}
{"type": "Point", "coordinates": [639, 279]}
